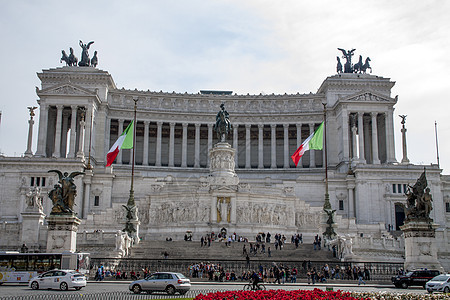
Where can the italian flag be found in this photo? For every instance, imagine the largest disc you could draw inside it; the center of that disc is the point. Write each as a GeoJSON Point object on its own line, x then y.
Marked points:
{"type": "Point", "coordinates": [313, 142]}
{"type": "Point", "coordinates": [125, 141]}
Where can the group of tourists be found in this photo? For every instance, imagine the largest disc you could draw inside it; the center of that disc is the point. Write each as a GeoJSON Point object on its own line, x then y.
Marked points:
{"type": "Point", "coordinates": [280, 274]}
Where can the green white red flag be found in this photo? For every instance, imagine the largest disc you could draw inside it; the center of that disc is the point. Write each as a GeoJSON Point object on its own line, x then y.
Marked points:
{"type": "Point", "coordinates": [125, 141]}
{"type": "Point", "coordinates": [313, 142]}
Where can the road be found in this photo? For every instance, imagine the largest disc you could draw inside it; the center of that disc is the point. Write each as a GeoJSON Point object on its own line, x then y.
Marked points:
{"type": "Point", "coordinates": [93, 287]}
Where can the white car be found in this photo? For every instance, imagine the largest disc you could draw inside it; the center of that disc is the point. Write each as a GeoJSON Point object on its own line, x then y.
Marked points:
{"type": "Point", "coordinates": [440, 283]}
{"type": "Point", "coordinates": [58, 279]}
{"type": "Point", "coordinates": [168, 282]}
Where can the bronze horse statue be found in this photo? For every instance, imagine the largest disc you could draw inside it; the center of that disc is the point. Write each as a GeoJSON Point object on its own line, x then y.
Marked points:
{"type": "Point", "coordinates": [366, 66]}
{"type": "Point", "coordinates": [223, 124]}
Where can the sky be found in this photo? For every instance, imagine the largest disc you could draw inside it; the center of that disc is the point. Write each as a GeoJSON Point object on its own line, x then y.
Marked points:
{"type": "Point", "coordinates": [252, 46]}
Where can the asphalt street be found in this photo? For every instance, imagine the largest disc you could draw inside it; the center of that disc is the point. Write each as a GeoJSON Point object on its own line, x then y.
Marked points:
{"type": "Point", "coordinates": [7, 290]}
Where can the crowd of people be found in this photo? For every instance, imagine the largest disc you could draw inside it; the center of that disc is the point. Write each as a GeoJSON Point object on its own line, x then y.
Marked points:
{"type": "Point", "coordinates": [280, 274]}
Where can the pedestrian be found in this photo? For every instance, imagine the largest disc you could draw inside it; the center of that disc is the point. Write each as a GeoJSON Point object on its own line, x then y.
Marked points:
{"type": "Point", "coordinates": [360, 277]}
{"type": "Point", "coordinates": [269, 252]}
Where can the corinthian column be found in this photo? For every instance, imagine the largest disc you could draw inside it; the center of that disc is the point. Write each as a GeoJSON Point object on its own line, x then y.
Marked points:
{"type": "Point", "coordinates": [405, 159]}
{"type": "Point", "coordinates": [146, 131]}
{"type": "Point", "coordinates": [260, 146]}
{"type": "Point", "coordinates": [158, 143]}
{"type": "Point", "coordinates": [376, 160]}
{"type": "Point", "coordinates": [197, 146]}
{"type": "Point", "coordinates": [273, 144]}
{"type": "Point", "coordinates": [210, 133]}
{"type": "Point", "coordinates": [362, 158]}
{"type": "Point", "coordinates": [28, 152]}
{"type": "Point", "coordinates": [171, 144]}
{"type": "Point", "coordinates": [286, 145]}
{"type": "Point", "coordinates": [73, 131]}
{"type": "Point", "coordinates": [42, 133]}
{"type": "Point", "coordinates": [247, 146]}
{"type": "Point", "coordinates": [235, 144]}
{"type": "Point", "coordinates": [57, 149]}
{"type": "Point", "coordinates": [184, 146]}
{"type": "Point", "coordinates": [80, 153]}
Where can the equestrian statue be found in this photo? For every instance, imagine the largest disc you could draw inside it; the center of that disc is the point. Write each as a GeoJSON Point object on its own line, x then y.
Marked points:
{"type": "Point", "coordinates": [223, 124]}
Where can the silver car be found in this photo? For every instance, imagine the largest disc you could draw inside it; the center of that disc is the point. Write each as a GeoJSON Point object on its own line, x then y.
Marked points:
{"type": "Point", "coordinates": [58, 279]}
{"type": "Point", "coordinates": [440, 283]}
{"type": "Point", "coordinates": [162, 282]}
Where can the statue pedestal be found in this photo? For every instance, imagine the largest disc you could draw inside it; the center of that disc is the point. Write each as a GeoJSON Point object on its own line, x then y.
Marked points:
{"type": "Point", "coordinates": [420, 246]}
{"type": "Point", "coordinates": [31, 225]}
{"type": "Point", "coordinates": [222, 161]}
{"type": "Point", "coordinates": [223, 184]}
{"type": "Point", "coordinates": [62, 233]}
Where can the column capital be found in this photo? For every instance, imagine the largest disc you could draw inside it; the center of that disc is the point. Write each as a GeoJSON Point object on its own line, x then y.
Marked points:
{"type": "Point", "coordinates": [172, 124]}
{"type": "Point", "coordinates": [197, 125]}
{"type": "Point", "coordinates": [374, 114]}
{"type": "Point", "coordinates": [273, 126]}
{"type": "Point", "coordinates": [121, 121]}
{"type": "Point", "coordinates": [185, 125]}
{"type": "Point", "coordinates": [74, 106]}
{"type": "Point", "coordinates": [146, 122]}
{"type": "Point", "coordinates": [211, 125]}
{"type": "Point", "coordinates": [299, 125]}
{"type": "Point", "coordinates": [260, 126]}
{"type": "Point", "coordinates": [285, 126]}
{"type": "Point", "coordinates": [247, 126]}
{"type": "Point", "coordinates": [159, 123]}
{"type": "Point", "coordinates": [59, 106]}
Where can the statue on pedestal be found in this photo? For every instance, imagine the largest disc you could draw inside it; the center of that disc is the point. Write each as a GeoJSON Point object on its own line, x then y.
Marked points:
{"type": "Point", "coordinates": [223, 124]}
{"type": "Point", "coordinates": [64, 193]}
{"type": "Point", "coordinates": [419, 201]}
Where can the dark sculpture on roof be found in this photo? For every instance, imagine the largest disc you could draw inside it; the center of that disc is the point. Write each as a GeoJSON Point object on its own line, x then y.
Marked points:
{"type": "Point", "coordinates": [85, 61]}
{"type": "Point", "coordinates": [64, 193]}
{"type": "Point", "coordinates": [223, 124]}
{"type": "Point", "coordinates": [359, 67]}
{"type": "Point", "coordinates": [418, 201]}
{"type": "Point", "coordinates": [72, 60]}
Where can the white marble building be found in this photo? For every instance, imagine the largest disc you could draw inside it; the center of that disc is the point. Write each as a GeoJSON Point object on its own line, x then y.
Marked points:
{"type": "Point", "coordinates": [173, 188]}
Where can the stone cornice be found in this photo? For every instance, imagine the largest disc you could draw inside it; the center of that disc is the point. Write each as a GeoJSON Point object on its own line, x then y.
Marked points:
{"type": "Point", "coordinates": [80, 75]}
{"type": "Point", "coordinates": [355, 82]}
{"type": "Point", "coordinates": [235, 104]}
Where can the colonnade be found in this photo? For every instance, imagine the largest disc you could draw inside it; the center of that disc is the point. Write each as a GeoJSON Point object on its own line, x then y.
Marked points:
{"type": "Point", "coordinates": [55, 123]}
{"type": "Point", "coordinates": [176, 144]}
{"type": "Point", "coordinates": [158, 142]}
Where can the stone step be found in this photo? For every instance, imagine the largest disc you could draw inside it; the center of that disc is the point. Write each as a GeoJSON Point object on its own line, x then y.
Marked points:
{"type": "Point", "coordinates": [218, 250]}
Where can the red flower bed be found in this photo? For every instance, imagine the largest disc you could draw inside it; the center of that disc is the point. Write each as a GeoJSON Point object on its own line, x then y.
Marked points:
{"type": "Point", "coordinates": [316, 294]}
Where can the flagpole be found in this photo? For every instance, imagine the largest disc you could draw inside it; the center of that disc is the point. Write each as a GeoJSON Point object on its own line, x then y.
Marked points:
{"type": "Point", "coordinates": [89, 167]}
{"type": "Point", "coordinates": [131, 202]}
{"type": "Point", "coordinates": [437, 146]}
{"type": "Point", "coordinates": [327, 204]}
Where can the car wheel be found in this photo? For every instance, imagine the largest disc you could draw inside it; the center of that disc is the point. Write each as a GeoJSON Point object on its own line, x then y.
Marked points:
{"type": "Point", "coordinates": [78, 288]}
{"type": "Point", "coordinates": [137, 289]}
{"type": "Point", "coordinates": [404, 285]}
{"type": "Point", "coordinates": [35, 285]}
{"type": "Point", "coordinates": [446, 290]}
{"type": "Point", "coordinates": [170, 290]}
{"type": "Point", "coordinates": [63, 286]}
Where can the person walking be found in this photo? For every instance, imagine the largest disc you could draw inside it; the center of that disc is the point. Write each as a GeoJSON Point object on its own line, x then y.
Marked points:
{"type": "Point", "coordinates": [360, 277]}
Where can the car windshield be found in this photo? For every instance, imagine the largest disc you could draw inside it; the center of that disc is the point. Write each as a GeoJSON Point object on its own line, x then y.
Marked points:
{"type": "Point", "coordinates": [441, 278]}
{"type": "Point", "coordinates": [180, 276]}
{"type": "Point", "coordinates": [409, 274]}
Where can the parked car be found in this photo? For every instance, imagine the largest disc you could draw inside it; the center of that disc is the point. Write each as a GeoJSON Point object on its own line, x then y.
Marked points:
{"type": "Point", "coordinates": [440, 283]}
{"type": "Point", "coordinates": [414, 278]}
{"type": "Point", "coordinates": [162, 282]}
{"type": "Point", "coordinates": [58, 279]}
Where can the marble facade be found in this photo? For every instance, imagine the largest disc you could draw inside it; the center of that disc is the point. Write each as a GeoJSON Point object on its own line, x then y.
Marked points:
{"type": "Point", "coordinates": [174, 189]}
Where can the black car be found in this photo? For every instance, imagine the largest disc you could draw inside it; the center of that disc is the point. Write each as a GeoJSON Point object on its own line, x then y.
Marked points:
{"type": "Point", "coordinates": [414, 278]}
